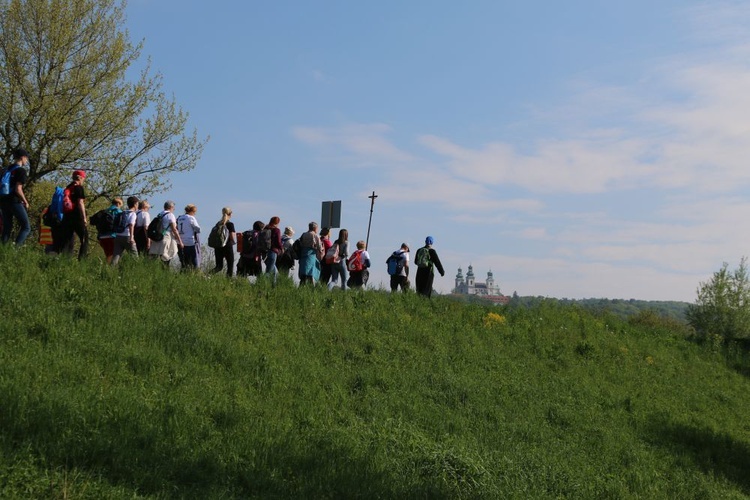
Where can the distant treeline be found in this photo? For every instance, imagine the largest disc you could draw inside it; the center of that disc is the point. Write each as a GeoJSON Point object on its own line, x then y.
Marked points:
{"type": "Point", "coordinates": [619, 307]}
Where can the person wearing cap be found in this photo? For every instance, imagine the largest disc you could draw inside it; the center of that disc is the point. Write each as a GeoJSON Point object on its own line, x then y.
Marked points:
{"type": "Point", "coordinates": [426, 260]}
{"type": "Point", "coordinates": [401, 278]}
{"type": "Point", "coordinates": [13, 202]}
{"type": "Point", "coordinates": [285, 262]}
{"type": "Point", "coordinates": [75, 222]}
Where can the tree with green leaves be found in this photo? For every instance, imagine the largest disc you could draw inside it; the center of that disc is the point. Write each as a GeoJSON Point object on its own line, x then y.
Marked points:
{"type": "Point", "coordinates": [66, 98]}
{"type": "Point", "coordinates": [723, 304]}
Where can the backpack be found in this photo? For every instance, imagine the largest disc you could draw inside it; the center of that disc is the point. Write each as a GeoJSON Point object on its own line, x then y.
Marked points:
{"type": "Point", "coordinates": [286, 259]}
{"type": "Point", "coordinates": [248, 246]}
{"type": "Point", "coordinates": [155, 232]}
{"type": "Point", "coordinates": [218, 236]}
{"type": "Point", "coordinates": [394, 263]}
{"type": "Point", "coordinates": [422, 259]}
{"type": "Point", "coordinates": [263, 241]}
{"type": "Point", "coordinates": [120, 221]}
{"type": "Point", "coordinates": [355, 263]}
{"type": "Point", "coordinates": [105, 220]}
{"type": "Point", "coordinates": [5, 181]}
{"type": "Point", "coordinates": [332, 254]}
{"type": "Point", "coordinates": [66, 202]}
{"type": "Point", "coordinates": [297, 249]}
{"type": "Point", "coordinates": [55, 211]}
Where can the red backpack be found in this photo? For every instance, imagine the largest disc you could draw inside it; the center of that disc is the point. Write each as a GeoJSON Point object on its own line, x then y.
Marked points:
{"type": "Point", "coordinates": [355, 261]}
{"type": "Point", "coordinates": [67, 203]}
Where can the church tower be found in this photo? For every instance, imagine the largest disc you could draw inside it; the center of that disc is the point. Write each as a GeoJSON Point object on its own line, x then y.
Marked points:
{"type": "Point", "coordinates": [459, 281]}
{"type": "Point", "coordinates": [490, 283]}
{"type": "Point", "coordinates": [470, 278]}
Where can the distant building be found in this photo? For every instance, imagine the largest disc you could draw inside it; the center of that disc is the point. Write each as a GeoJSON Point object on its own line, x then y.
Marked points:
{"type": "Point", "coordinates": [469, 286]}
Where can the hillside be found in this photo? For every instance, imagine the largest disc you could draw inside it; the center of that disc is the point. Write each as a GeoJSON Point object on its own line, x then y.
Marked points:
{"type": "Point", "coordinates": [140, 382]}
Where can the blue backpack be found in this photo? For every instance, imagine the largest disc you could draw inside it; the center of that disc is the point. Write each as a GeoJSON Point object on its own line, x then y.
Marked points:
{"type": "Point", "coordinates": [395, 265]}
{"type": "Point", "coordinates": [56, 206]}
{"type": "Point", "coordinates": [5, 182]}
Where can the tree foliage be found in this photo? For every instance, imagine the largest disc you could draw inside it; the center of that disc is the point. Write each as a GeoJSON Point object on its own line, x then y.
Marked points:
{"type": "Point", "coordinates": [723, 304]}
{"type": "Point", "coordinates": [66, 97]}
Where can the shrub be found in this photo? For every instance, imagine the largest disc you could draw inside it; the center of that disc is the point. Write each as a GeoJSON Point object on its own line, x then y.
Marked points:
{"type": "Point", "coordinates": [723, 304]}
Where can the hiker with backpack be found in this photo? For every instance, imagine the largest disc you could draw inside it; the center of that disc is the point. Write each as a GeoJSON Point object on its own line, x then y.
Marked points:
{"type": "Point", "coordinates": [310, 253]}
{"type": "Point", "coordinates": [162, 231]}
{"type": "Point", "coordinates": [271, 239]}
{"type": "Point", "coordinates": [188, 227]}
{"type": "Point", "coordinates": [338, 261]}
{"type": "Point", "coordinates": [13, 202]}
{"type": "Point", "coordinates": [426, 260]}
{"type": "Point", "coordinates": [105, 222]}
{"type": "Point", "coordinates": [225, 251]}
{"type": "Point", "coordinates": [142, 220]}
{"type": "Point", "coordinates": [357, 265]}
{"type": "Point", "coordinates": [285, 262]}
{"type": "Point", "coordinates": [74, 221]}
{"type": "Point", "coordinates": [250, 263]}
{"type": "Point", "coordinates": [125, 231]}
{"type": "Point", "coordinates": [326, 269]}
{"type": "Point", "coordinates": [398, 268]}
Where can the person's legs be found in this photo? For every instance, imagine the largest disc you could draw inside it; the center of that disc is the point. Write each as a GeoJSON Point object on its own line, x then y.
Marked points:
{"type": "Point", "coordinates": [121, 244]}
{"type": "Point", "coordinates": [24, 227]}
{"type": "Point", "coordinates": [334, 276]}
{"type": "Point", "coordinates": [271, 265]}
{"type": "Point", "coordinates": [219, 258]}
{"type": "Point", "coordinates": [229, 256]}
{"type": "Point", "coordinates": [394, 283]}
{"type": "Point", "coordinates": [79, 228]}
{"type": "Point", "coordinates": [190, 256]}
{"type": "Point", "coordinates": [7, 210]}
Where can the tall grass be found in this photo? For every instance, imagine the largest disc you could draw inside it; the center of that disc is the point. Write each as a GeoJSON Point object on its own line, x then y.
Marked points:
{"type": "Point", "coordinates": [140, 382]}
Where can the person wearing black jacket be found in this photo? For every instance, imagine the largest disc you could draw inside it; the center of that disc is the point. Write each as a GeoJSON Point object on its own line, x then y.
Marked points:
{"type": "Point", "coordinates": [426, 260]}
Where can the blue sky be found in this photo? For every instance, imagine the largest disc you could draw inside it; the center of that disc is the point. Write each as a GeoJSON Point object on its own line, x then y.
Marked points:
{"type": "Point", "coordinates": [576, 149]}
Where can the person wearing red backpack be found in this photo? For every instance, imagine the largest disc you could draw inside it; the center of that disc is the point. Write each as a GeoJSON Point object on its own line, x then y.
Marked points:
{"type": "Point", "coordinates": [357, 264]}
{"type": "Point", "coordinates": [74, 221]}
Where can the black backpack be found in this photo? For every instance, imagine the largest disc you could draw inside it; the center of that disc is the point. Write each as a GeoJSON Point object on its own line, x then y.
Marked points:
{"type": "Point", "coordinates": [155, 231]}
{"type": "Point", "coordinates": [263, 243]}
{"type": "Point", "coordinates": [105, 220]}
{"type": "Point", "coordinates": [248, 246]}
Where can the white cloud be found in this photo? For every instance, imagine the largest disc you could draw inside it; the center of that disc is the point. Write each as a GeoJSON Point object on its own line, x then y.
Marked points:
{"type": "Point", "coordinates": [673, 145]}
{"type": "Point", "coordinates": [366, 144]}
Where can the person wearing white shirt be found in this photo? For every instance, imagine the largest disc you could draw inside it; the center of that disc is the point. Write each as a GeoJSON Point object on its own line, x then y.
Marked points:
{"type": "Point", "coordinates": [142, 220]}
{"type": "Point", "coordinates": [125, 240]}
{"type": "Point", "coordinates": [168, 247]}
{"type": "Point", "coordinates": [188, 227]}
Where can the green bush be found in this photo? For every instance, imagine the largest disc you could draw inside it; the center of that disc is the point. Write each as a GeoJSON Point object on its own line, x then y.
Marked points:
{"type": "Point", "coordinates": [723, 305]}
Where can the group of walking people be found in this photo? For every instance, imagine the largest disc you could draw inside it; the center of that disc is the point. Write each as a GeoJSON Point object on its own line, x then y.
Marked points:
{"type": "Point", "coordinates": [127, 227]}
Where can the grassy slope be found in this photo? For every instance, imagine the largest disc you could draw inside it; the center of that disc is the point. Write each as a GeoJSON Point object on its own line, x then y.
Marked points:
{"type": "Point", "coordinates": [137, 381]}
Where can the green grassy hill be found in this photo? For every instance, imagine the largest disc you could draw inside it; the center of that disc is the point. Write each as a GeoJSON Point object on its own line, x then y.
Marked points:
{"type": "Point", "coordinates": [140, 382]}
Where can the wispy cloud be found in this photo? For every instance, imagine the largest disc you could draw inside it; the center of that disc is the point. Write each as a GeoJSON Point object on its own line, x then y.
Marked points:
{"type": "Point", "coordinates": [358, 144]}
{"type": "Point", "coordinates": [675, 138]}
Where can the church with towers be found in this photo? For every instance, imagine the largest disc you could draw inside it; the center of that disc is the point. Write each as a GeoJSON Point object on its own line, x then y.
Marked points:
{"type": "Point", "coordinates": [469, 286]}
